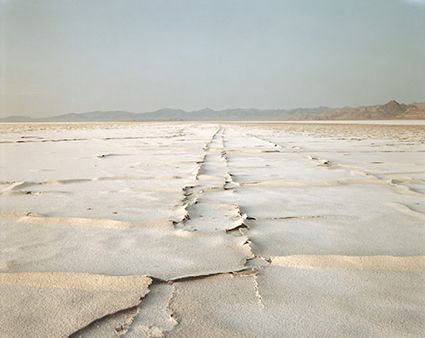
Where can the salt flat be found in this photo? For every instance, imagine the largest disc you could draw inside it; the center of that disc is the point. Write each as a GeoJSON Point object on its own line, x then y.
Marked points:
{"type": "Point", "coordinates": [215, 229]}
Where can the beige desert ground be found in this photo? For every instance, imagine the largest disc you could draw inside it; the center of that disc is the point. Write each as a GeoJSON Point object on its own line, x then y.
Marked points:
{"type": "Point", "coordinates": [212, 229]}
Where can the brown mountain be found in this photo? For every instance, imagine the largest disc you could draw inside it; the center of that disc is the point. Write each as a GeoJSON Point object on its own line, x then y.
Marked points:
{"type": "Point", "coordinates": [389, 111]}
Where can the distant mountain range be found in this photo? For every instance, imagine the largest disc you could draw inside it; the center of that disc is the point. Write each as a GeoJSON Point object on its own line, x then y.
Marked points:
{"type": "Point", "coordinates": [389, 111]}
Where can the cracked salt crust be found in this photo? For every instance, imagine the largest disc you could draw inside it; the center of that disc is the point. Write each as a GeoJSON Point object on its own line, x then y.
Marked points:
{"type": "Point", "coordinates": [244, 230]}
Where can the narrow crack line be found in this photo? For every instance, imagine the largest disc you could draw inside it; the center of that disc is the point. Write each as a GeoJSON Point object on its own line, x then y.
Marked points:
{"type": "Point", "coordinates": [196, 277]}
{"type": "Point", "coordinates": [252, 264]}
{"type": "Point", "coordinates": [122, 328]}
{"type": "Point", "coordinates": [229, 183]}
{"type": "Point", "coordinates": [206, 149]}
{"type": "Point", "coordinates": [190, 196]}
{"type": "Point", "coordinates": [155, 330]}
{"type": "Point", "coordinates": [397, 186]}
{"type": "Point", "coordinates": [309, 217]}
{"type": "Point", "coordinates": [199, 165]}
{"type": "Point", "coordinates": [171, 313]}
{"type": "Point", "coordinates": [322, 162]}
{"type": "Point", "coordinates": [208, 144]}
{"type": "Point", "coordinates": [46, 140]}
{"type": "Point", "coordinates": [257, 291]}
{"type": "Point", "coordinates": [43, 140]}
{"type": "Point", "coordinates": [274, 145]}
{"type": "Point", "coordinates": [19, 185]}
{"type": "Point", "coordinates": [239, 223]}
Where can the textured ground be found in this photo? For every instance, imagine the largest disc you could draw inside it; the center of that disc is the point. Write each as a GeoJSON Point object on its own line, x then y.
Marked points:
{"type": "Point", "coordinates": [215, 230]}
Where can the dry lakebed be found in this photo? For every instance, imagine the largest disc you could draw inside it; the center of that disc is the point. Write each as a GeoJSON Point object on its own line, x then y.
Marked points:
{"type": "Point", "coordinates": [236, 229]}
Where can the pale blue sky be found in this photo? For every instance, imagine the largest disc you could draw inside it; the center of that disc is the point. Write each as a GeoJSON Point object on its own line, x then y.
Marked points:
{"type": "Point", "coordinates": [61, 56]}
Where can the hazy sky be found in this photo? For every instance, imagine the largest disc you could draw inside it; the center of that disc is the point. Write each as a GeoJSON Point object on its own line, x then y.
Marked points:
{"type": "Point", "coordinates": [61, 56]}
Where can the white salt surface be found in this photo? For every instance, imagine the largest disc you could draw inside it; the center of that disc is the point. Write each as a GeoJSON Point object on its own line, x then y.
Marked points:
{"type": "Point", "coordinates": [231, 230]}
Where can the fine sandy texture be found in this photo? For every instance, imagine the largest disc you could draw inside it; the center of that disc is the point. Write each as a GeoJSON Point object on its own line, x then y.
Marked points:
{"type": "Point", "coordinates": [58, 304]}
{"type": "Point", "coordinates": [215, 230]}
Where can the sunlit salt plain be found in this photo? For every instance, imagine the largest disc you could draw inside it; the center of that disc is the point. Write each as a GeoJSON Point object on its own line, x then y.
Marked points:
{"type": "Point", "coordinates": [212, 230]}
